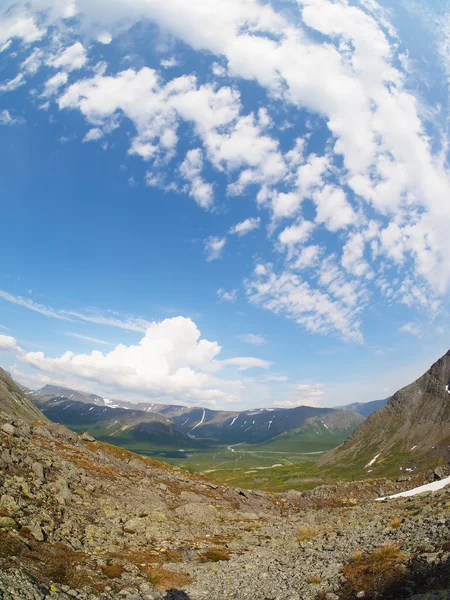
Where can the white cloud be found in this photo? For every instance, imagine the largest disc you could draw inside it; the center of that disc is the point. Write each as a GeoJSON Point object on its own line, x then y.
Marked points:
{"type": "Point", "coordinates": [214, 247]}
{"type": "Point", "coordinates": [12, 84]}
{"type": "Point", "coordinates": [246, 226]}
{"type": "Point", "coordinates": [53, 84]}
{"type": "Point", "coordinates": [167, 63]}
{"type": "Point", "coordinates": [171, 362]}
{"type": "Point", "coordinates": [87, 338]}
{"type": "Point", "coordinates": [251, 338]}
{"type": "Point", "coordinates": [5, 117]}
{"type": "Point", "coordinates": [33, 62]}
{"type": "Point", "coordinates": [333, 209]}
{"type": "Point", "coordinates": [109, 318]}
{"type": "Point", "coordinates": [104, 38]}
{"type": "Point", "coordinates": [303, 395]}
{"type": "Point", "coordinates": [378, 162]}
{"type": "Point", "coordinates": [296, 234]}
{"type": "Point", "coordinates": [289, 294]}
{"type": "Point", "coordinates": [411, 328]}
{"type": "Point", "coordinates": [227, 296]}
{"type": "Point", "coordinates": [218, 70]}
{"type": "Point", "coordinates": [7, 342]}
{"type": "Point", "coordinates": [94, 134]}
{"type": "Point", "coordinates": [191, 169]}
{"type": "Point", "coordinates": [71, 58]}
{"type": "Point", "coordinates": [243, 363]}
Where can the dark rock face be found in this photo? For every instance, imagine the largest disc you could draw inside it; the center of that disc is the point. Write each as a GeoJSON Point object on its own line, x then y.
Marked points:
{"type": "Point", "coordinates": [415, 421]}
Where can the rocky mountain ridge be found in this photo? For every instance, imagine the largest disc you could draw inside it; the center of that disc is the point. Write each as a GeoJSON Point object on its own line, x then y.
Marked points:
{"type": "Point", "coordinates": [411, 431]}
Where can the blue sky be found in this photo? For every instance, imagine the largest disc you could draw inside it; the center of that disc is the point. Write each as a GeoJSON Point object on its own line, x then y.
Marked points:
{"type": "Point", "coordinates": [236, 203]}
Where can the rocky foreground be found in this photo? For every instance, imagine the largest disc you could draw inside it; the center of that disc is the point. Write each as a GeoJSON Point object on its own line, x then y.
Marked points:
{"type": "Point", "coordinates": [81, 519]}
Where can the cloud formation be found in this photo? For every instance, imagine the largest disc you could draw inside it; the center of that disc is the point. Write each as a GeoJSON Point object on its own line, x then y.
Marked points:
{"type": "Point", "coordinates": [373, 199]}
{"type": "Point", "coordinates": [170, 363]}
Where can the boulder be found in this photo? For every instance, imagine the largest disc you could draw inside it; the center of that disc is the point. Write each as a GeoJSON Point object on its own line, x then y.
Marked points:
{"type": "Point", "coordinates": [439, 473]}
{"type": "Point", "coordinates": [38, 471]}
{"type": "Point", "coordinates": [8, 428]}
{"type": "Point", "coordinates": [87, 437]}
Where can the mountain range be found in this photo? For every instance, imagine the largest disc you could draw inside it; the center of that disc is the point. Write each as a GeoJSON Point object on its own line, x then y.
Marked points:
{"type": "Point", "coordinates": [181, 427]}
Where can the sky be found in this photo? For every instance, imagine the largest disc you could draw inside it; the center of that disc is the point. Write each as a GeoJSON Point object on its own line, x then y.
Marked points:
{"type": "Point", "coordinates": [231, 204]}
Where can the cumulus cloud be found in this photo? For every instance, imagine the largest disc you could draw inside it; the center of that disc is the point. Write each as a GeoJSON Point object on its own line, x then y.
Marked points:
{"type": "Point", "coordinates": [246, 226]}
{"type": "Point", "coordinates": [53, 84]}
{"type": "Point", "coordinates": [71, 58]}
{"type": "Point", "coordinates": [171, 362]}
{"type": "Point", "coordinates": [7, 342]}
{"type": "Point", "coordinates": [191, 169]}
{"type": "Point", "coordinates": [214, 247]}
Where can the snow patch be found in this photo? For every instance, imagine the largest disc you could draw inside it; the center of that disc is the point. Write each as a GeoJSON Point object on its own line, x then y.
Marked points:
{"type": "Point", "coordinates": [429, 487]}
{"type": "Point", "coordinates": [369, 464]}
{"type": "Point", "coordinates": [201, 421]}
{"type": "Point", "coordinates": [233, 420]}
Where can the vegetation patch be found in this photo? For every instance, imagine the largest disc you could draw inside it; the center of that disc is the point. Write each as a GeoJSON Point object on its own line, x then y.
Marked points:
{"type": "Point", "coordinates": [305, 533]}
{"type": "Point", "coordinates": [214, 555]}
{"type": "Point", "coordinates": [112, 571]}
{"type": "Point", "coordinates": [373, 572]}
{"type": "Point", "coordinates": [162, 578]}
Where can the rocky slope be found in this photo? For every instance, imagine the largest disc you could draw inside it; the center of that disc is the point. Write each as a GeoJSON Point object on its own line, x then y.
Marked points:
{"type": "Point", "coordinates": [13, 402]}
{"type": "Point", "coordinates": [411, 431]}
{"type": "Point", "coordinates": [84, 520]}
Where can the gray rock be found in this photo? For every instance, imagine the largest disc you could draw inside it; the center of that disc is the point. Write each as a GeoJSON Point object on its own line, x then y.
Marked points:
{"type": "Point", "coordinates": [439, 473]}
{"type": "Point", "coordinates": [38, 471]}
{"type": "Point", "coordinates": [9, 429]}
{"type": "Point", "coordinates": [87, 437]}
{"type": "Point", "coordinates": [6, 456]}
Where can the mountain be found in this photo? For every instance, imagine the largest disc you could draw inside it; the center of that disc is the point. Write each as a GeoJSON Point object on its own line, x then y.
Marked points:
{"type": "Point", "coordinates": [117, 425]}
{"type": "Point", "coordinates": [14, 404]}
{"type": "Point", "coordinates": [412, 430]}
{"type": "Point", "coordinates": [365, 408]}
{"type": "Point", "coordinates": [184, 426]}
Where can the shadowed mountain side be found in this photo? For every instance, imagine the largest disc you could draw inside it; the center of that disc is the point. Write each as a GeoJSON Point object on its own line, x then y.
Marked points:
{"type": "Point", "coordinates": [411, 430]}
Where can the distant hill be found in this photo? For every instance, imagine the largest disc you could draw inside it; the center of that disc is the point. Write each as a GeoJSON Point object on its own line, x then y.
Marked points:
{"type": "Point", "coordinates": [411, 431]}
{"type": "Point", "coordinates": [13, 403]}
{"type": "Point", "coordinates": [120, 426]}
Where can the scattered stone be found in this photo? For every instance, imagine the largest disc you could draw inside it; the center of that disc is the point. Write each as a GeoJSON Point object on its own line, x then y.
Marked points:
{"type": "Point", "coordinates": [6, 522]}
{"type": "Point", "coordinates": [8, 428]}
{"type": "Point", "coordinates": [38, 471]}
